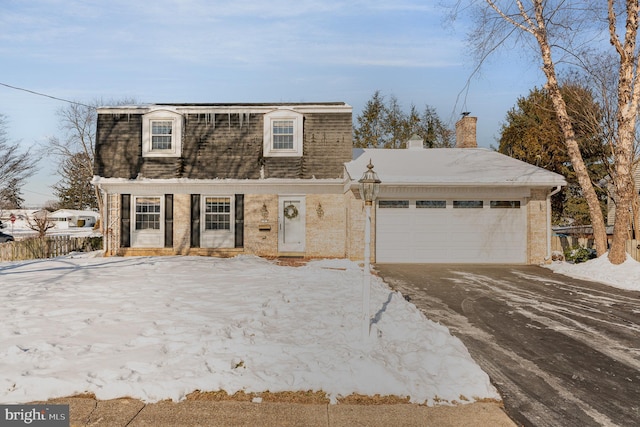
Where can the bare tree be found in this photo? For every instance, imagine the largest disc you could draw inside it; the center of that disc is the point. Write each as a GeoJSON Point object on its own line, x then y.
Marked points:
{"type": "Point", "coordinates": [598, 76]}
{"type": "Point", "coordinates": [15, 166]}
{"type": "Point", "coordinates": [40, 223]}
{"type": "Point", "coordinates": [77, 140]}
{"type": "Point", "coordinates": [564, 33]}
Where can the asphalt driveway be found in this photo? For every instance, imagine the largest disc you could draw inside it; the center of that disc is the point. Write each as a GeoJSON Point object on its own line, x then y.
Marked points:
{"type": "Point", "coordinates": [561, 351]}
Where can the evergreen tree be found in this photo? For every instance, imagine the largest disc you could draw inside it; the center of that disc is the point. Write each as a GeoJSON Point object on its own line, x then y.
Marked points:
{"type": "Point", "coordinates": [532, 134]}
{"type": "Point", "coordinates": [384, 124]}
{"type": "Point", "coordinates": [11, 196]}
{"type": "Point", "coordinates": [370, 130]}
{"type": "Point", "coordinates": [75, 190]}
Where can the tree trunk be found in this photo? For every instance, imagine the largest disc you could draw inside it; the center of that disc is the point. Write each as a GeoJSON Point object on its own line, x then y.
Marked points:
{"type": "Point", "coordinates": [624, 187]}
{"type": "Point", "coordinates": [628, 98]}
{"type": "Point", "coordinates": [573, 150]}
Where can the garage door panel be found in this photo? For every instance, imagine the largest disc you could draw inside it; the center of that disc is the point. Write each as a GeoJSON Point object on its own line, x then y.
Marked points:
{"type": "Point", "coordinates": [465, 235]}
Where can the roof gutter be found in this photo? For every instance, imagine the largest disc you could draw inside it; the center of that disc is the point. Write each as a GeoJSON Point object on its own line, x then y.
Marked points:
{"type": "Point", "coordinates": [557, 189]}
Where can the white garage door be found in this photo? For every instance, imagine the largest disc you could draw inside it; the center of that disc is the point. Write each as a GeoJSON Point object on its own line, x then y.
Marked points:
{"type": "Point", "coordinates": [451, 231]}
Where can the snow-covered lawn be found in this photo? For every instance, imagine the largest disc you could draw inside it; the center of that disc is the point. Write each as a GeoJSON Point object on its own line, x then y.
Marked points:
{"type": "Point", "coordinates": [158, 328]}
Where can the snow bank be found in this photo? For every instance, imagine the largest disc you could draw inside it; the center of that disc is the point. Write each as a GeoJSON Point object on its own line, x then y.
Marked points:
{"type": "Point", "coordinates": [623, 276]}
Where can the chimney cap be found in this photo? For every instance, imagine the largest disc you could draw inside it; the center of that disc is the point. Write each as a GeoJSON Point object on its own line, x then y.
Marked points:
{"type": "Point", "coordinates": [415, 142]}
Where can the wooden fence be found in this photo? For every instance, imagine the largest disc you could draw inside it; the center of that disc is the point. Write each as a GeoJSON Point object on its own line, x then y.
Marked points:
{"type": "Point", "coordinates": [561, 243]}
{"type": "Point", "coordinates": [47, 247]}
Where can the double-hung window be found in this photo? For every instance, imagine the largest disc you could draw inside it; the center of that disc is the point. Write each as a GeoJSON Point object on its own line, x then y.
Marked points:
{"type": "Point", "coordinates": [161, 131]}
{"type": "Point", "coordinates": [162, 134]}
{"type": "Point", "coordinates": [283, 134]}
{"type": "Point", "coordinates": [217, 213]}
{"type": "Point", "coordinates": [147, 213]}
{"type": "Point", "coordinates": [217, 219]}
{"type": "Point", "coordinates": [147, 225]}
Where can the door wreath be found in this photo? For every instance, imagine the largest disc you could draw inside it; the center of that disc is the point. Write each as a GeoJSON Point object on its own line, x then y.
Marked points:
{"type": "Point", "coordinates": [290, 212]}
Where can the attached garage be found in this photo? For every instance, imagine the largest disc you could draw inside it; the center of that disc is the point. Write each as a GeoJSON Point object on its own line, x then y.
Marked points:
{"type": "Point", "coordinates": [451, 230]}
{"type": "Point", "coordinates": [455, 205]}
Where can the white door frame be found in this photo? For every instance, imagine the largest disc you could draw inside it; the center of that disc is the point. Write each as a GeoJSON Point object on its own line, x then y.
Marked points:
{"type": "Point", "coordinates": [291, 230]}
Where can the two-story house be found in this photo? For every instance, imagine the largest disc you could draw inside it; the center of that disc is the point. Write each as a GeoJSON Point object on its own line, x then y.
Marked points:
{"type": "Point", "coordinates": [265, 179]}
{"type": "Point", "coordinates": [282, 180]}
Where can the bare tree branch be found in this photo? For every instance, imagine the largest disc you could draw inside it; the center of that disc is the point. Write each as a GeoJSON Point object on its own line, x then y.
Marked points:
{"type": "Point", "coordinates": [16, 165]}
{"type": "Point", "coordinates": [573, 29]}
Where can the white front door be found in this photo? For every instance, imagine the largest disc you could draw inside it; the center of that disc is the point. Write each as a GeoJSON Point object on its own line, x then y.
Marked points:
{"type": "Point", "coordinates": [292, 224]}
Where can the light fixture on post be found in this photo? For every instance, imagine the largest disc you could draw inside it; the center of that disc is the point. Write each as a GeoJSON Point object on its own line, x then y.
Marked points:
{"type": "Point", "coordinates": [369, 187]}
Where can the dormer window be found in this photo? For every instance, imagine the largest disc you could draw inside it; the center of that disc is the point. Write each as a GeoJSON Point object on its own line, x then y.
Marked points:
{"type": "Point", "coordinates": [162, 134]}
{"type": "Point", "coordinates": [283, 134]}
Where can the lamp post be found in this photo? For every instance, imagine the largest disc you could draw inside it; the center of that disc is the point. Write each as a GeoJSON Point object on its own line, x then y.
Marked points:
{"type": "Point", "coordinates": [369, 187]}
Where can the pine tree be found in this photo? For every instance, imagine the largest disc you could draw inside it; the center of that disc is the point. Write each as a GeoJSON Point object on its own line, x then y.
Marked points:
{"type": "Point", "coordinates": [384, 124]}
{"type": "Point", "coordinates": [370, 130]}
{"type": "Point", "coordinates": [11, 196]}
{"type": "Point", "coordinates": [75, 190]}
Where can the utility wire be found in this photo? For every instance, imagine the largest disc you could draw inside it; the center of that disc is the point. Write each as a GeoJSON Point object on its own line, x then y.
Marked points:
{"type": "Point", "coordinates": [45, 95]}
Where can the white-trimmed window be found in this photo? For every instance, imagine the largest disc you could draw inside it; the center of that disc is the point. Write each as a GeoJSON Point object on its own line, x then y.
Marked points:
{"type": "Point", "coordinates": [217, 213]}
{"type": "Point", "coordinates": [147, 213]}
{"type": "Point", "coordinates": [161, 138]}
{"type": "Point", "coordinates": [283, 134]}
{"type": "Point", "coordinates": [148, 222]}
{"type": "Point", "coordinates": [162, 134]}
{"type": "Point", "coordinates": [217, 221]}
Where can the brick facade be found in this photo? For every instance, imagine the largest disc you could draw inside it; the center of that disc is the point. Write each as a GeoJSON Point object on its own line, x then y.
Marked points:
{"type": "Point", "coordinates": [223, 154]}
{"type": "Point", "coordinates": [326, 226]}
{"type": "Point", "coordinates": [537, 229]}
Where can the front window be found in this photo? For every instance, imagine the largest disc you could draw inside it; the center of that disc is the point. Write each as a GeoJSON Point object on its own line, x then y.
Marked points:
{"type": "Point", "coordinates": [148, 213]}
{"type": "Point", "coordinates": [217, 215]}
{"type": "Point", "coordinates": [161, 135]}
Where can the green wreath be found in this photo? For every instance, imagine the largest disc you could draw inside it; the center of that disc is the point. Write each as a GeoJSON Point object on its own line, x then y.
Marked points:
{"type": "Point", "coordinates": [290, 212]}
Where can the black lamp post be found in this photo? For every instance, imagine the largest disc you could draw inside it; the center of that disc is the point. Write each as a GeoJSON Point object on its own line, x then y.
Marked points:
{"type": "Point", "coordinates": [369, 188]}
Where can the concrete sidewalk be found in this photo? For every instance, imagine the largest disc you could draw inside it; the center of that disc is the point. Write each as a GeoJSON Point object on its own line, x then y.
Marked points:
{"type": "Point", "coordinates": [134, 413]}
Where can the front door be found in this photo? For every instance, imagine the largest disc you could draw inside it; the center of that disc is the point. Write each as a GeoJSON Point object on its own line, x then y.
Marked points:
{"type": "Point", "coordinates": [292, 224]}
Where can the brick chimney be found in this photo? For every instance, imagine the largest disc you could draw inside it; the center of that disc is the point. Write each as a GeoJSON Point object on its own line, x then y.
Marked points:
{"type": "Point", "coordinates": [466, 132]}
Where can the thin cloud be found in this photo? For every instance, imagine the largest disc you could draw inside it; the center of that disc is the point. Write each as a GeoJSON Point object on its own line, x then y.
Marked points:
{"type": "Point", "coordinates": [241, 33]}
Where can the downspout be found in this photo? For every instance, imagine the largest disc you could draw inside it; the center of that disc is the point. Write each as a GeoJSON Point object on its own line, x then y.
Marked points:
{"type": "Point", "coordinates": [558, 188]}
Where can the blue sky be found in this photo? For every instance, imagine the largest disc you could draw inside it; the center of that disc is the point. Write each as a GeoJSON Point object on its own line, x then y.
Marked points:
{"type": "Point", "coordinates": [243, 51]}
